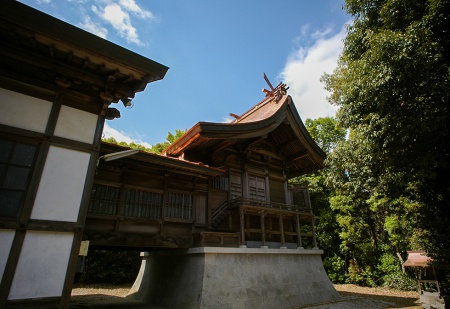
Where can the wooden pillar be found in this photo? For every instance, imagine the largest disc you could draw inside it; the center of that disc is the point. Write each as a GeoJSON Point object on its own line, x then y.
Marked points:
{"type": "Point", "coordinates": [245, 182]}
{"type": "Point", "coordinates": [263, 229]}
{"type": "Point", "coordinates": [209, 202]}
{"type": "Point", "coordinates": [313, 231]}
{"type": "Point", "coordinates": [242, 215]}
{"type": "Point", "coordinates": [270, 227]}
{"type": "Point", "coordinates": [164, 200]}
{"type": "Point", "coordinates": [121, 206]}
{"type": "Point", "coordinates": [266, 183]}
{"type": "Point", "coordinates": [282, 231]}
{"type": "Point", "coordinates": [247, 224]}
{"type": "Point", "coordinates": [287, 194]}
{"type": "Point", "coordinates": [299, 233]}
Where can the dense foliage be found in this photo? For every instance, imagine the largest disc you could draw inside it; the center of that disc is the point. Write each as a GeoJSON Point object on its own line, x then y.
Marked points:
{"type": "Point", "coordinates": [170, 139]}
{"type": "Point", "coordinates": [112, 267]}
{"type": "Point", "coordinates": [157, 148]}
{"type": "Point", "coordinates": [391, 177]}
{"type": "Point", "coordinates": [327, 135]}
{"type": "Point", "coordinates": [133, 145]}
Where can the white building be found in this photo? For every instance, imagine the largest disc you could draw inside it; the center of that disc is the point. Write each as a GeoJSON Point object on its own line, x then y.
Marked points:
{"type": "Point", "coordinates": [56, 86]}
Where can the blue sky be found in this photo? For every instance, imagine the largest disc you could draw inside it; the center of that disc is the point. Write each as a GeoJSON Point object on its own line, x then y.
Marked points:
{"type": "Point", "coordinates": [217, 52]}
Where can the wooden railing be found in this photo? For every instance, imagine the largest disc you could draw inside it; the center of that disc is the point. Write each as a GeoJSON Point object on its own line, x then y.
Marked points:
{"type": "Point", "coordinates": [269, 205]}
{"type": "Point", "coordinates": [219, 214]}
{"type": "Point", "coordinates": [221, 239]}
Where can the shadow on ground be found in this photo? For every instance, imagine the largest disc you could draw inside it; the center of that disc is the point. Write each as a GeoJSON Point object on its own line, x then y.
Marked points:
{"type": "Point", "coordinates": [106, 301]}
{"type": "Point", "coordinates": [400, 302]}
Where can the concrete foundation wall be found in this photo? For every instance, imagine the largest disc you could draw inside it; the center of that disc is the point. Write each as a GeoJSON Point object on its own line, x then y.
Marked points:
{"type": "Point", "coordinates": [233, 278]}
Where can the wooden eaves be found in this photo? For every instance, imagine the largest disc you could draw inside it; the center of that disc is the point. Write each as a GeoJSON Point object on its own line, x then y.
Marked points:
{"type": "Point", "coordinates": [264, 118]}
{"type": "Point", "coordinates": [171, 164]}
{"type": "Point", "coordinates": [46, 49]}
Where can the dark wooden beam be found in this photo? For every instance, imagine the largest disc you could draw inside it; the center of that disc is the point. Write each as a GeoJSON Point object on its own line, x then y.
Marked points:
{"type": "Point", "coordinates": [101, 239]}
{"type": "Point", "coordinates": [298, 156]}
{"type": "Point", "coordinates": [69, 71]}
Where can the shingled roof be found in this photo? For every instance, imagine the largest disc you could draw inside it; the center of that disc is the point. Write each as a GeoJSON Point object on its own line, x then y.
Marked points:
{"type": "Point", "coordinates": [275, 118]}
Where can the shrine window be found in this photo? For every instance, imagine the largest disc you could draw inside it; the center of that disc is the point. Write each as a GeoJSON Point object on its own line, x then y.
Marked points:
{"type": "Point", "coordinates": [17, 161]}
{"type": "Point", "coordinates": [104, 200]}
{"type": "Point", "coordinates": [300, 197]}
{"type": "Point", "coordinates": [141, 204]}
{"type": "Point", "coordinates": [221, 183]}
{"type": "Point", "coordinates": [178, 205]}
{"type": "Point", "coordinates": [235, 185]}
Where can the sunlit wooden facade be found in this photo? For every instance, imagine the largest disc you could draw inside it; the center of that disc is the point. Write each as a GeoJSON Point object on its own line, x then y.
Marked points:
{"type": "Point", "coordinates": [218, 185]}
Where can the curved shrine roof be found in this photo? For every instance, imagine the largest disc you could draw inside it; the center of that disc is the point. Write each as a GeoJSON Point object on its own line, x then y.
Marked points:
{"type": "Point", "coordinates": [275, 119]}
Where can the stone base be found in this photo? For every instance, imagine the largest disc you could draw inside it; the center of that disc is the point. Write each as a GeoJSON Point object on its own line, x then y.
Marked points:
{"type": "Point", "coordinates": [233, 278]}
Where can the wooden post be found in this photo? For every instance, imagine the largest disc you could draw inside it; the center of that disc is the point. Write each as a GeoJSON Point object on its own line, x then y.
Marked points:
{"type": "Point", "coordinates": [247, 224]}
{"type": "Point", "coordinates": [266, 183]}
{"type": "Point", "coordinates": [299, 233]}
{"type": "Point", "coordinates": [245, 182]}
{"type": "Point", "coordinates": [242, 215]}
{"type": "Point", "coordinates": [263, 230]}
{"type": "Point", "coordinates": [282, 231]}
{"type": "Point", "coordinates": [313, 231]}
{"type": "Point", "coordinates": [287, 193]}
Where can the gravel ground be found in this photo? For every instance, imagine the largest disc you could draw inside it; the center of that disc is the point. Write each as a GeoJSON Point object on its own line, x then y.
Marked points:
{"type": "Point", "coordinates": [354, 297]}
{"type": "Point", "coordinates": [372, 298]}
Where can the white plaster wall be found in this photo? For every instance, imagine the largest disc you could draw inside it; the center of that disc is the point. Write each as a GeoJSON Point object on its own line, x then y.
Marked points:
{"type": "Point", "coordinates": [61, 186]}
{"type": "Point", "coordinates": [76, 124]}
{"type": "Point", "coordinates": [22, 111]}
{"type": "Point", "coordinates": [42, 265]}
{"type": "Point", "coordinates": [6, 239]}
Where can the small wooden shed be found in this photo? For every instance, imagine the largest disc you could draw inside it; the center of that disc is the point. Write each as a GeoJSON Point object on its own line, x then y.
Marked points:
{"type": "Point", "coordinates": [429, 289]}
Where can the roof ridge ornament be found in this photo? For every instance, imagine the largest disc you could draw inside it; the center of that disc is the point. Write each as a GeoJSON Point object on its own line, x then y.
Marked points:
{"type": "Point", "coordinates": [276, 92]}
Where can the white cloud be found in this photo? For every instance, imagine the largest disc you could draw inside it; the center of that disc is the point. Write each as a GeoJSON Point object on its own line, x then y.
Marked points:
{"type": "Point", "coordinates": [94, 28]}
{"type": "Point", "coordinates": [131, 6]}
{"type": "Point", "coordinates": [227, 119]}
{"type": "Point", "coordinates": [122, 136]}
{"type": "Point", "coordinates": [120, 20]}
{"type": "Point", "coordinates": [304, 68]}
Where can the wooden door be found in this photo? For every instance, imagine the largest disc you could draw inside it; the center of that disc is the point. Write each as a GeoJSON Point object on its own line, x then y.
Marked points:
{"type": "Point", "coordinates": [235, 185]}
{"type": "Point", "coordinates": [257, 187]}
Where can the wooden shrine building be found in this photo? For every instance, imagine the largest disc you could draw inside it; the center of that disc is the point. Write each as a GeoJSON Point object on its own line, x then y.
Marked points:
{"type": "Point", "coordinates": [215, 216]}
{"type": "Point", "coordinates": [219, 185]}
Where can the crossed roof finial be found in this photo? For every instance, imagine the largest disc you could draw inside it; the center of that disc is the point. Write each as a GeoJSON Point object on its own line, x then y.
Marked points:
{"type": "Point", "coordinates": [278, 91]}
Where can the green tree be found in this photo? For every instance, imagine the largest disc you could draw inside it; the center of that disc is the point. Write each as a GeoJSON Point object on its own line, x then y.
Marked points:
{"type": "Point", "coordinates": [170, 139]}
{"type": "Point", "coordinates": [327, 134]}
{"type": "Point", "coordinates": [133, 145]}
{"type": "Point", "coordinates": [111, 266]}
{"type": "Point", "coordinates": [157, 148]}
{"type": "Point", "coordinates": [392, 86]}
